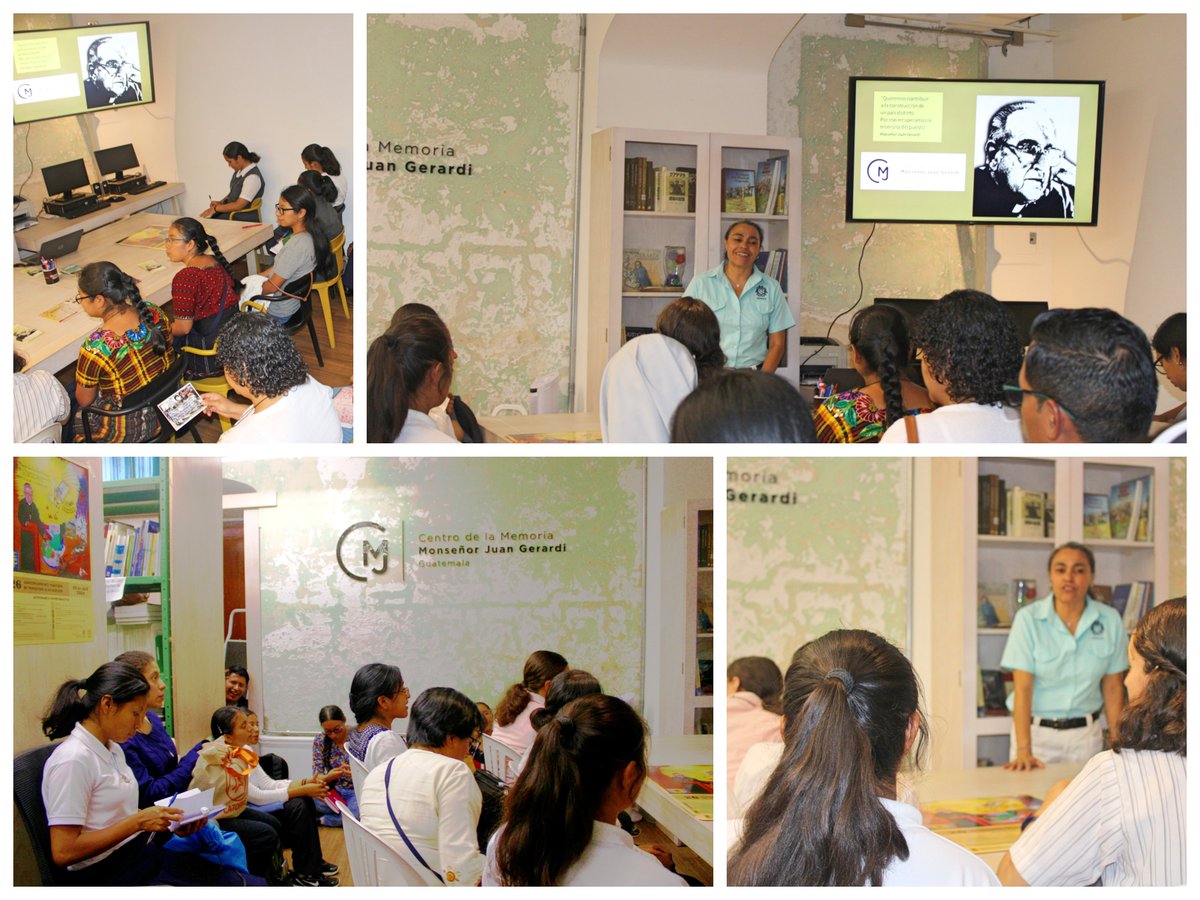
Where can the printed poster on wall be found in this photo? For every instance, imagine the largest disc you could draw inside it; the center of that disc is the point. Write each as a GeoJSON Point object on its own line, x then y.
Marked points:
{"type": "Point", "coordinates": [52, 590]}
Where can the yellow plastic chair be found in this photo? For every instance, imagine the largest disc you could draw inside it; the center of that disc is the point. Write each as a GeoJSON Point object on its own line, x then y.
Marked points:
{"type": "Point", "coordinates": [213, 384]}
{"type": "Point", "coordinates": [299, 289]}
{"type": "Point", "coordinates": [322, 288]}
{"type": "Point", "coordinates": [254, 207]}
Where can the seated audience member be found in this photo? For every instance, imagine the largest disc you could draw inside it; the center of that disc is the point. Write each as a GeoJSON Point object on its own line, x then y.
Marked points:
{"type": "Point", "coordinates": [377, 697]}
{"type": "Point", "coordinates": [127, 352]}
{"type": "Point", "coordinates": [879, 350]}
{"type": "Point", "coordinates": [409, 369]}
{"type": "Point", "coordinates": [829, 814]}
{"type": "Point", "coordinates": [245, 185]}
{"type": "Point", "coordinates": [1088, 377]}
{"type": "Point", "coordinates": [305, 252]}
{"type": "Point", "coordinates": [329, 758]}
{"type": "Point", "coordinates": [586, 766]}
{"type": "Point", "coordinates": [429, 791]}
{"type": "Point", "coordinates": [743, 406]}
{"type": "Point", "coordinates": [97, 831]}
{"type": "Point", "coordinates": [641, 387]}
{"type": "Point", "coordinates": [227, 765]}
{"type": "Point", "coordinates": [1122, 820]}
{"type": "Point", "coordinates": [970, 349]}
{"type": "Point", "coordinates": [513, 727]}
{"type": "Point", "coordinates": [321, 160]}
{"type": "Point", "coordinates": [262, 365]}
{"type": "Point", "coordinates": [1170, 346]}
{"type": "Point", "coordinates": [39, 401]}
{"type": "Point", "coordinates": [752, 708]}
{"type": "Point", "coordinates": [693, 323]}
{"type": "Point", "coordinates": [237, 683]}
{"type": "Point", "coordinates": [203, 293]}
{"type": "Point", "coordinates": [323, 190]}
{"type": "Point", "coordinates": [567, 685]}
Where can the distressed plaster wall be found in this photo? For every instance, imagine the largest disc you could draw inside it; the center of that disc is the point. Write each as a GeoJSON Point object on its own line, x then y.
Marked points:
{"type": "Point", "coordinates": [490, 251]}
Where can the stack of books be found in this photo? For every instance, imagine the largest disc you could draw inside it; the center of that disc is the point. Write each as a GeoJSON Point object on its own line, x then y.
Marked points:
{"type": "Point", "coordinates": [131, 548]}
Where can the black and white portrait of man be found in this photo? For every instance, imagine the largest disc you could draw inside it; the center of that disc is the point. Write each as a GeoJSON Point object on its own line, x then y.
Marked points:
{"type": "Point", "coordinates": [110, 70]}
{"type": "Point", "coordinates": [1027, 169]}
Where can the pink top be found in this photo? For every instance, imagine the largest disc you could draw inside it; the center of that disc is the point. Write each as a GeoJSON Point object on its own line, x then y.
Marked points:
{"type": "Point", "coordinates": [519, 733]}
{"type": "Point", "coordinates": [747, 724]}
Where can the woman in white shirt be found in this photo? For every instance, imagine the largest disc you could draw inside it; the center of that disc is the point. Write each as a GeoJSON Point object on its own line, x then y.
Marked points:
{"type": "Point", "coordinates": [1122, 820]}
{"type": "Point", "coordinates": [512, 727]}
{"type": "Point", "coordinates": [409, 369]}
{"type": "Point", "coordinates": [969, 350]}
{"type": "Point", "coordinates": [377, 698]}
{"type": "Point", "coordinates": [91, 795]}
{"type": "Point", "coordinates": [228, 765]}
{"type": "Point", "coordinates": [587, 765]}
{"type": "Point", "coordinates": [829, 815]}
{"type": "Point", "coordinates": [427, 796]}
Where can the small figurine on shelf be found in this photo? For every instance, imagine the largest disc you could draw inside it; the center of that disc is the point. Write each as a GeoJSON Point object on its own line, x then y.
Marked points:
{"type": "Point", "coordinates": [675, 257]}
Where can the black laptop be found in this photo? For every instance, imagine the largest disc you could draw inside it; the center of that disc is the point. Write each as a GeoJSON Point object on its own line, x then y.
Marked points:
{"type": "Point", "coordinates": [60, 246]}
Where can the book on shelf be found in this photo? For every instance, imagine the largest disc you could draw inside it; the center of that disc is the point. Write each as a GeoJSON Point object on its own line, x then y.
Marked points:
{"type": "Point", "coordinates": [639, 184]}
{"type": "Point", "coordinates": [737, 190]}
{"type": "Point", "coordinates": [1144, 530]}
{"type": "Point", "coordinates": [131, 548]}
{"type": "Point", "coordinates": [995, 605]}
{"type": "Point", "coordinates": [1026, 513]}
{"type": "Point", "coordinates": [1123, 499]}
{"type": "Point", "coordinates": [641, 270]}
{"type": "Point", "coordinates": [1133, 600]}
{"type": "Point", "coordinates": [633, 331]}
{"type": "Point", "coordinates": [768, 178]}
{"type": "Point", "coordinates": [994, 692]}
{"type": "Point", "coordinates": [1049, 526]}
{"type": "Point", "coordinates": [773, 264]}
{"type": "Point", "coordinates": [138, 609]}
{"type": "Point", "coordinates": [704, 545]}
{"type": "Point", "coordinates": [690, 171]}
{"type": "Point", "coordinates": [993, 514]}
{"type": "Point", "coordinates": [670, 190]}
{"type": "Point", "coordinates": [1102, 593]}
{"type": "Point", "coordinates": [1095, 517]}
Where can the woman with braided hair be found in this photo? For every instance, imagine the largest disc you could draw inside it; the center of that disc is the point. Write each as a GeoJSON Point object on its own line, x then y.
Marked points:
{"type": "Point", "coordinates": [560, 818]}
{"type": "Point", "coordinates": [1121, 821]}
{"type": "Point", "coordinates": [203, 293]}
{"type": "Point", "coordinates": [409, 368]}
{"type": "Point", "coordinates": [126, 352]}
{"type": "Point", "coordinates": [879, 349]}
{"type": "Point", "coordinates": [829, 814]}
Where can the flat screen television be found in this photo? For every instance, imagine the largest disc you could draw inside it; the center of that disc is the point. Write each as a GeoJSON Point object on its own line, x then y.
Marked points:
{"type": "Point", "coordinates": [68, 71]}
{"type": "Point", "coordinates": [115, 160]}
{"type": "Point", "coordinates": [975, 152]}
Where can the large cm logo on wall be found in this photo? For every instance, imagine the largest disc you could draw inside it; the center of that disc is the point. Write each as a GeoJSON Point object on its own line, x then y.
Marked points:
{"type": "Point", "coordinates": [356, 552]}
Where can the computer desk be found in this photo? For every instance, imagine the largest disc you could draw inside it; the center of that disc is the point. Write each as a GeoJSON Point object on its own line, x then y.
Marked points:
{"type": "Point", "coordinates": [58, 344]}
{"type": "Point", "coordinates": [50, 227]}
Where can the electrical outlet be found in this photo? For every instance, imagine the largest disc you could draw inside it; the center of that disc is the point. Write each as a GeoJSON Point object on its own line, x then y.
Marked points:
{"type": "Point", "coordinates": [1033, 239]}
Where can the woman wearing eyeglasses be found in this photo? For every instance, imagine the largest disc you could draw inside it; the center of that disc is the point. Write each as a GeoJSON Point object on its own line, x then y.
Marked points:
{"type": "Point", "coordinates": [969, 350]}
{"type": "Point", "coordinates": [128, 350]}
{"type": "Point", "coordinates": [1067, 656]}
{"type": "Point", "coordinates": [305, 250]}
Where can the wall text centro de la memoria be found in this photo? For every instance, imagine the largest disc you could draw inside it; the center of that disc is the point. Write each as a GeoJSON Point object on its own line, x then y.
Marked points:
{"type": "Point", "coordinates": [416, 159]}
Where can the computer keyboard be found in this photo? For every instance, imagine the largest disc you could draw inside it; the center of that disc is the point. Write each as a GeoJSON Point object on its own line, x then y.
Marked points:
{"type": "Point", "coordinates": [146, 187]}
{"type": "Point", "coordinates": [83, 211]}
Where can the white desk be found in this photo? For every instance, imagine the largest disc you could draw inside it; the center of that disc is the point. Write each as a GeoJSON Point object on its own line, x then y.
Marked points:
{"type": "Point", "coordinates": [554, 428]}
{"type": "Point", "coordinates": [58, 344]}
{"type": "Point", "coordinates": [48, 228]}
{"type": "Point", "coordinates": [671, 816]}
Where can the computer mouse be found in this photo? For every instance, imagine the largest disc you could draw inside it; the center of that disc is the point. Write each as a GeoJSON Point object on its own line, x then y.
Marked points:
{"type": "Point", "coordinates": [116, 198]}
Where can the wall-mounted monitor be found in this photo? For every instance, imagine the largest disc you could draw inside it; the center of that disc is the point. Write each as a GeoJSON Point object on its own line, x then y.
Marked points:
{"type": "Point", "coordinates": [976, 152]}
{"type": "Point", "coordinates": [68, 71]}
{"type": "Point", "coordinates": [64, 178]}
{"type": "Point", "coordinates": [115, 160]}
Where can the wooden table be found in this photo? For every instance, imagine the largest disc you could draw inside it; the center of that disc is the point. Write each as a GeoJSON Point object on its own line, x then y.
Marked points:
{"type": "Point", "coordinates": [58, 344]}
{"type": "Point", "coordinates": [554, 428]}
{"type": "Point", "coordinates": [993, 781]}
{"type": "Point", "coordinates": [48, 228]}
{"type": "Point", "coordinates": [672, 817]}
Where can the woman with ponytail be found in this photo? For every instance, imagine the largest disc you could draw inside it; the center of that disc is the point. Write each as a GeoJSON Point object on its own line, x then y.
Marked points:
{"type": "Point", "coordinates": [829, 814]}
{"type": "Point", "coordinates": [203, 293]}
{"type": "Point", "coordinates": [324, 192]}
{"type": "Point", "coordinates": [426, 798]}
{"type": "Point", "coordinates": [513, 727]}
{"type": "Point", "coordinates": [304, 251]}
{"type": "Point", "coordinates": [409, 369]}
{"type": "Point", "coordinates": [1122, 820]}
{"type": "Point", "coordinates": [127, 351]}
{"type": "Point", "coordinates": [91, 796]}
{"type": "Point", "coordinates": [320, 159]}
{"type": "Point", "coordinates": [560, 824]}
{"type": "Point", "coordinates": [879, 350]}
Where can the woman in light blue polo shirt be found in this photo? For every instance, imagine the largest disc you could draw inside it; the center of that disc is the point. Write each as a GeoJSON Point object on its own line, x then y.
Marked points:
{"type": "Point", "coordinates": [1067, 656]}
{"type": "Point", "coordinates": [750, 306]}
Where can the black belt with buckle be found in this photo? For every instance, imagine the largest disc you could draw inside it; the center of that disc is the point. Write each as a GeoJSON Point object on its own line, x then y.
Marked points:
{"type": "Point", "coordinates": [1066, 724]}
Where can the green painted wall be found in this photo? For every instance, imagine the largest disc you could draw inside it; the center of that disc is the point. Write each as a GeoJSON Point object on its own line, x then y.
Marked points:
{"type": "Point", "coordinates": [837, 556]}
{"type": "Point", "coordinates": [490, 251]}
{"type": "Point", "coordinates": [809, 96]}
{"type": "Point", "coordinates": [1177, 586]}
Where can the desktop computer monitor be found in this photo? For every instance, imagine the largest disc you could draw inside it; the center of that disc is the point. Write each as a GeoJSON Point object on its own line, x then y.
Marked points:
{"type": "Point", "coordinates": [115, 160]}
{"type": "Point", "coordinates": [64, 178]}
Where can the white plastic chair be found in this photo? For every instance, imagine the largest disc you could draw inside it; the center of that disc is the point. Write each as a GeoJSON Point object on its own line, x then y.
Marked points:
{"type": "Point", "coordinates": [514, 408]}
{"type": "Point", "coordinates": [375, 863]}
{"type": "Point", "coordinates": [51, 434]}
{"type": "Point", "coordinates": [500, 760]}
{"type": "Point", "coordinates": [358, 774]}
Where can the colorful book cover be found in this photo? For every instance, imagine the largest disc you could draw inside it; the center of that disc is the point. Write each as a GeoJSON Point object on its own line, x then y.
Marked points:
{"type": "Point", "coordinates": [1122, 505]}
{"type": "Point", "coordinates": [1145, 513]}
{"type": "Point", "coordinates": [983, 825]}
{"type": "Point", "coordinates": [1095, 517]}
{"type": "Point", "coordinates": [737, 193]}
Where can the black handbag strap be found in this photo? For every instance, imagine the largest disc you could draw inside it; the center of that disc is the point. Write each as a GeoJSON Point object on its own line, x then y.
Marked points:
{"type": "Point", "coordinates": [387, 795]}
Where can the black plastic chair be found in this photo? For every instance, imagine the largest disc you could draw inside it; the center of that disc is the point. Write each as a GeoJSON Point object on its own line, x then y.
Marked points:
{"type": "Point", "coordinates": [27, 794]}
{"type": "Point", "coordinates": [298, 289]}
{"type": "Point", "coordinates": [147, 398]}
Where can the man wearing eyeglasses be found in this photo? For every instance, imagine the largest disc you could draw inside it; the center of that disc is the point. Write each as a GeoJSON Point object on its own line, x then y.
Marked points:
{"type": "Point", "coordinates": [111, 78]}
{"type": "Point", "coordinates": [1088, 377]}
{"type": "Point", "coordinates": [1024, 174]}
